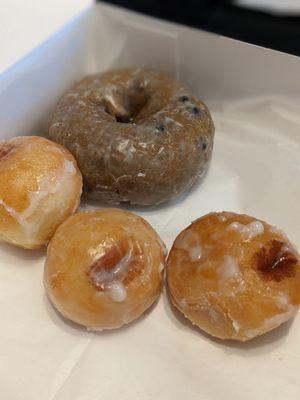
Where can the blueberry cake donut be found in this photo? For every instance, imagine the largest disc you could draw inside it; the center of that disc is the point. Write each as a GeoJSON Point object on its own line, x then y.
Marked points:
{"type": "Point", "coordinates": [138, 135]}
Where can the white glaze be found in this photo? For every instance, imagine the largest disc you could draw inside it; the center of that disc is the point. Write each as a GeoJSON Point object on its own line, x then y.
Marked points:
{"type": "Point", "coordinates": [189, 242]}
{"type": "Point", "coordinates": [235, 325]}
{"type": "Point", "coordinates": [94, 329]}
{"type": "Point", "coordinates": [178, 124]}
{"type": "Point", "coordinates": [282, 300]}
{"type": "Point", "coordinates": [169, 120]}
{"type": "Point", "coordinates": [214, 315]}
{"type": "Point", "coordinates": [111, 280]}
{"type": "Point", "coordinates": [229, 268]}
{"type": "Point", "coordinates": [45, 186]}
{"type": "Point", "coordinates": [123, 145]}
{"type": "Point", "coordinates": [222, 218]}
{"type": "Point", "coordinates": [161, 150]}
{"type": "Point", "coordinates": [290, 248]}
{"type": "Point", "coordinates": [271, 323]}
{"type": "Point", "coordinates": [161, 268]}
{"type": "Point", "coordinates": [195, 252]}
{"type": "Point", "coordinates": [117, 291]}
{"type": "Point", "coordinates": [248, 231]}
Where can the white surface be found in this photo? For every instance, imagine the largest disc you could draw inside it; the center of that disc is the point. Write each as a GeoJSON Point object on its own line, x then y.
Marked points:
{"type": "Point", "coordinates": [25, 24]}
{"type": "Point", "coordinates": [254, 96]}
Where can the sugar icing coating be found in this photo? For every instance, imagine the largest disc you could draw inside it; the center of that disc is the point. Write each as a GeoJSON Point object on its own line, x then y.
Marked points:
{"type": "Point", "coordinates": [283, 300]}
{"type": "Point", "coordinates": [104, 268]}
{"type": "Point", "coordinates": [246, 281]}
{"type": "Point", "coordinates": [195, 252]}
{"type": "Point", "coordinates": [50, 183]}
{"type": "Point", "coordinates": [272, 322]}
{"type": "Point", "coordinates": [137, 134]}
{"type": "Point", "coordinates": [229, 268]}
{"type": "Point", "coordinates": [190, 243]}
{"type": "Point", "coordinates": [117, 291]}
{"type": "Point", "coordinates": [40, 186]}
{"type": "Point", "coordinates": [111, 280]}
{"type": "Point", "coordinates": [248, 231]}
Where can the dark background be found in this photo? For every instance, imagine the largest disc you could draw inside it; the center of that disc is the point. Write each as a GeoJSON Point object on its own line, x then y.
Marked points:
{"type": "Point", "coordinates": [268, 29]}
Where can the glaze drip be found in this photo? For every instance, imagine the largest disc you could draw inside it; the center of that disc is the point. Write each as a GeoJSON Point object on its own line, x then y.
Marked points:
{"type": "Point", "coordinates": [108, 272]}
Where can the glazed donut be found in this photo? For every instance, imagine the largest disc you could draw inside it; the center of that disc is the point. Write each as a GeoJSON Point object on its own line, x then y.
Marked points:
{"type": "Point", "coordinates": [40, 186]}
{"type": "Point", "coordinates": [234, 276]}
{"type": "Point", "coordinates": [104, 268]}
{"type": "Point", "coordinates": [138, 135]}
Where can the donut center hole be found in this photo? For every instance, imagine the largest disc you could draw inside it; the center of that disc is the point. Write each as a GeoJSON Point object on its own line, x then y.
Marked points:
{"type": "Point", "coordinates": [126, 107]}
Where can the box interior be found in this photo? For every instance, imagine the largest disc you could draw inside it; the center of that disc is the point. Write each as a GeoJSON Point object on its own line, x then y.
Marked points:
{"type": "Point", "coordinates": [103, 37]}
{"type": "Point", "coordinates": [253, 94]}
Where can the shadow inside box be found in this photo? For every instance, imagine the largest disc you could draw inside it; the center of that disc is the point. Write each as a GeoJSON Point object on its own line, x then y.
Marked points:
{"type": "Point", "coordinates": [24, 254]}
{"type": "Point", "coordinates": [77, 329]}
{"type": "Point", "coordinates": [259, 345]}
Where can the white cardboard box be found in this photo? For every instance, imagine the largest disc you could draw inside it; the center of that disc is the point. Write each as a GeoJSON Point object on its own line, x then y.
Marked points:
{"type": "Point", "coordinates": [24, 25]}
{"type": "Point", "coordinates": [254, 96]}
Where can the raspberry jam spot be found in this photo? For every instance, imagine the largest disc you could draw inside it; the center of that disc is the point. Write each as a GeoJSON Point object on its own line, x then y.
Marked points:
{"type": "Point", "coordinates": [120, 264]}
{"type": "Point", "coordinates": [276, 261]}
{"type": "Point", "coordinates": [107, 267]}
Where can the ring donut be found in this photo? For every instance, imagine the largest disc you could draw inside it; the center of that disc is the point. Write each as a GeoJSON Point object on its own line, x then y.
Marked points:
{"type": "Point", "coordinates": [138, 135]}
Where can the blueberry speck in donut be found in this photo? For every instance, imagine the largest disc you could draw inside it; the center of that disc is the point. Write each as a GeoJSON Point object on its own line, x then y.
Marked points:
{"type": "Point", "coordinates": [201, 143]}
{"type": "Point", "coordinates": [161, 127]}
{"type": "Point", "coordinates": [183, 99]}
{"type": "Point", "coordinates": [195, 110]}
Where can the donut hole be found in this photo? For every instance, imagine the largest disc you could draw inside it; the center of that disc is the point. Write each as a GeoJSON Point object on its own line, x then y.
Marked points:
{"type": "Point", "coordinates": [125, 106]}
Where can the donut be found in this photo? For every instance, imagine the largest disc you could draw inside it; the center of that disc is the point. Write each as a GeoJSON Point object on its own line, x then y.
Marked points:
{"type": "Point", "coordinates": [40, 186]}
{"type": "Point", "coordinates": [234, 276]}
{"type": "Point", "coordinates": [104, 268]}
{"type": "Point", "coordinates": [138, 135]}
